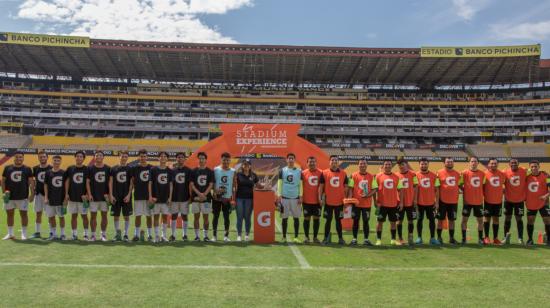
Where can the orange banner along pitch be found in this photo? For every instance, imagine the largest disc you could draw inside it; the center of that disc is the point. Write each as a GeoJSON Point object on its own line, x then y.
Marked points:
{"type": "Point", "coordinates": [264, 216]}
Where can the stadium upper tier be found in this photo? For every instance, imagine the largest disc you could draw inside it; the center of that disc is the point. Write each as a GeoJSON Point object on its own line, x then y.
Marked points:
{"type": "Point", "coordinates": [79, 59]}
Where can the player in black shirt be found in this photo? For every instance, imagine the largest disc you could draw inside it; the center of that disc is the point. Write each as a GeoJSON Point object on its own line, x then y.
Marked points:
{"type": "Point", "coordinates": [17, 179]}
{"type": "Point", "coordinates": [120, 188]}
{"type": "Point", "coordinates": [76, 194]}
{"type": "Point", "coordinates": [160, 194]}
{"type": "Point", "coordinates": [54, 197]}
{"type": "Point", "coordinates": [202, 182]}
{"type": "Point", "coordinates": [180, 194]}
{"type": "Point", "coordinates": [39, 171]}
{"type": "Point", "coordinates": [140, 182]}
{"type": "Point", "coordinates": [98, 193]}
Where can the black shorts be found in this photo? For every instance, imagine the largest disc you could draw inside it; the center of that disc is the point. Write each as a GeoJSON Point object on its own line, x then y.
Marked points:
{"type": "Point", "coordinates": [391, 212]}
{"type": "Point", "coordinates": [121, 206]}
{"type": "Point", "coordinates": [492, 210]}
{"type": "Point", "coordinates": [333, 211]}
{"type": "Point", "coordinates": [409, 212]}
{"type": "Point", "coordinates": [467, 209]}
{"type": "Point", "coordinates": [544, 211]}
{"type": "Point", "coordinates": [356, 212]}
{"type": "Point", "coordinates": [311, 210]}
{"type": "Point", "coordinates": [446, 210]}
{"type": "Point", "coordinates": [516, 208]}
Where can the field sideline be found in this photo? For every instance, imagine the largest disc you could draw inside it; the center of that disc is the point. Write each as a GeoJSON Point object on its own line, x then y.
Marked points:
{"type": "Point", "coordinates": [38, 272]}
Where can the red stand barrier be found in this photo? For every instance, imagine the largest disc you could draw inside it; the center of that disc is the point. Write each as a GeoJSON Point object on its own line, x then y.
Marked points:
{"type": "Point", "coordinates": [264, 216]}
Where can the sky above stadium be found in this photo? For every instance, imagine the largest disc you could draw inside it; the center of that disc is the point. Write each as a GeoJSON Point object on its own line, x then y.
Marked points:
{"type": "Point", "coordinates": [357, 23]}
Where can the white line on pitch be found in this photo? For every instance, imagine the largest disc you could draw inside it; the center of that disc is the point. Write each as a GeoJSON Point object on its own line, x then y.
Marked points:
{"type": "Point", "coordinates": [275, 268]}
{"type": "Point", "coordinates": [295, 250]}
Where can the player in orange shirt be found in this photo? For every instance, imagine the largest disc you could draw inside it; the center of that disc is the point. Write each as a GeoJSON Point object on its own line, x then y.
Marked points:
{"type": "Point", "coordinates": [536, 199]}
{"type": "Point", "coordinates": [472, 188]}
{"type": "Point", "coordinates": [310, 196]}
{"type": "Point", "coordinates": [333, 188]}
{"type": "Point", "coordinates": [360, 188]}
{"type": "Point", "coordinates": [410, 191]}
{"type": "Point", "coordinates": [427, 200]}
{"type": "Point", "coordinates": [448, 198]}
{"type": "Point", "coordinates": [493, 190]}
{"type": "Point", "coordinates": [389, 201]}
{"type": "Point", "coordinates": [514, 196]}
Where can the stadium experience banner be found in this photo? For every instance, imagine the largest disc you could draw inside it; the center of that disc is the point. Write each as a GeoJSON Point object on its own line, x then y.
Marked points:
{"type": "Point", "coordinates": [44, 40]}
{"type": "Point", "coordinates": [481, 52]}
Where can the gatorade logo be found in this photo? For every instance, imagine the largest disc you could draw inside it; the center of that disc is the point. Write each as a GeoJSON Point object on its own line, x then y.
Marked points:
{"type": "Point", "coordinates": [533, 187]}
{"type": "Point", "coordinates": [495, 181]}
{"type": "Point", "coordinates": [313, 180]}
{"type": "Point", "coordinates": [388, 184]}
{"type": "Point", "coordinates": [515, 180]}
{"type": "Point", "coordinates": [425, 182]}
{"type": "Point", "coordinates": [475, 182]}
{"type": "Point", "coordinates": [78, 178]}
{"type": "Point", "coordinates": [121, 177]}
{"type": "Point", "coordinates": [335, 182]}
{"type": "Point", "coordinates": [57, 181]}
{"type": "Point", "coordinates": [364, 184]}
{"type": "Point", "coordinates": [40, 177]}
{"type": "Point", "coordinates": [180, 178]}
{"type": "Point", "coordinates": [100, 177]}
{"type": "Point", "coordinates": [405, 183]}
{"type": "Point", "coordinates": [450, 181]}
{"type": "Point", "coordinates": [224, 179]}
{"type": "Point", "coordinates": [264, 219]}
{"type": "Point", "coordinates": [162, 178]}
{"type": "Point", "coordinates": [16, 176]}
{"type": "Point", "coordinates": [290, 178]}
{"type": "Point", "coordinates": [144, 175]}
{"type": "Point", "coordinates": [201, 180]}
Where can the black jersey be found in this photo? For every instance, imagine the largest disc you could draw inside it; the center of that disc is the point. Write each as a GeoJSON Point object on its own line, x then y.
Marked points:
{"type": "Point", "coordinates": [121, 176]}
{"type": "Point", "coordinates": [54, 181]}
{"type": "Point", "coordinates": [202, 178]}
{"type": "Point", "coordinates": [99, 185]}
{"type": "Point", "coordinates": [77, 182]}
{"type": "Point", "coordinates": [140, 175]}
{"type": "Point", "coordinates": [161, 180]}
{"type": "Point", "coordinates": [17, 181]}
{"type": "Point", "coordinates": [182, 177]}
{"type": "Point", "coordinates": [39, 173]}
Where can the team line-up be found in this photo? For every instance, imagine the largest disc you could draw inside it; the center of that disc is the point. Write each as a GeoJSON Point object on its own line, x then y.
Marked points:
{"type": "Point", "coordinates": [162, 193]}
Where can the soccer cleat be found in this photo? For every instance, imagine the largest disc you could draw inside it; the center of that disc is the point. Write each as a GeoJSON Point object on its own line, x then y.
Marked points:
{"type": "Point", "coordinates": [434, 241]}
{"type": "Point", "coordinates": [486, 241]}
{"type": "Point", "coordinates": [453, 241]}
{"type": "Point", "coordinates": [184, 238]}
{"type": "Point", "coordinates": [135, 238]}
{"type": "Point", "coordinates": [226, 239]}
{"type": "Point", "coordinates": [297, 240]}
{"type": "Point", "coordinates": [507, 239]}
{"type": "Point", "coordinates": [283, 240]}
{"type": "Point", "coordinates": [481, 242]}
{"type": "Point", "coordinates": [92, 239]}
{"type": "Point", "coordinates": [118, 236]}
{"type": "Point", "coordinates": [142, 236]}
{"type": "Point", "coordinates": [496, 241]}
{"type": "Point", "coordinates": [214, 239]}
{"type": "Point", "coordinates": [51, 238]}
{"type": "Point", "coordinates": [36, 235]}
{"type": "Point", "coordinates": [62, 237]}
{"type": "Point", "coordinates": [418, 241]}
{"type": "Point", "coordinates": [353, 242]}
{"type": "Point", "coordinates": [206, 239]}
{"type": "Point", "coordinates": [75, 238]}
{"type": "Point", "coordinates": [306, 240]}
{"type": "Point", "coordinates": [172, 238]}
{"type": "Point", "coordinates": [464, 241]}
{"type": "Point", "coordinates": [341, 241]}
{"type": "Point", "coordinates": [23, 237]}
{"type": "Point", "coordinates": [163, 239]}
{"type": "Point", "coordinates": [125, 238]}
{"type": "Point", "coordinates": [378, 242]}
{"type": "Point", "coordinates": [440, 241]}
{"type": "Point", "coordinates": [103, 238]}
{"type": "Point", "coordinates": [366, 242]}
{"type": "Point", "coordinates": [8, 237]}
{"type": "Point", "coordinates": [246, 238]}
{"type": "Point", "coordinates": [410, 240]}
{"type": "Point", "coordinates": [149, 238]}
{"type": "Point", "coordinates": [393, 243]}
{"type": "Point", "coordinates": [316, 240]}
{"type": "Point", "coordinates": [530, 243]}
{"type": "Point", "coordinates": [239, 239]}
{"type": "Point", "coordinates": [197, 239]}
{"type": "Point", "coordinates": [86, 238]}
{"type": "Point", "coordinates": [326, 241]}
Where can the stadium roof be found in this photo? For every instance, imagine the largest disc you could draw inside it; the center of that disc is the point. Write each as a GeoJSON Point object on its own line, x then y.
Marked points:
{"type": "Point", "coordinates": [257, 64]}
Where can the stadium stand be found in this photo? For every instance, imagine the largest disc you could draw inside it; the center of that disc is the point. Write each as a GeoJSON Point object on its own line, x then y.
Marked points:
{"type": "Point", "coordinates": [489, 150]}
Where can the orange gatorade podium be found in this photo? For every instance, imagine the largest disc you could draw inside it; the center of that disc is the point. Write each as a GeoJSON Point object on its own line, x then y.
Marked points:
{"type": "Point", "coordinates": [264, 216]}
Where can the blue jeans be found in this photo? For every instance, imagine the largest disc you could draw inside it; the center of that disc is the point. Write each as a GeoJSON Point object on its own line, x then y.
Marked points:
{"type": "Point", "coordinates": [244, 211]}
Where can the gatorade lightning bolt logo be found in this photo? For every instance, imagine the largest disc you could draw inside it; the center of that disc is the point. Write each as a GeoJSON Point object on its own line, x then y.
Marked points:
{"type": "Point", "coordinates": [425, 182]}
{"type": "Point", "coordinates": [533, 187]}
{"type": "Point", "coordinates": [100, 177]}
{"type": "Point", "coordinates": [475, 182]}
{"type": "Point", "coordinates": [495, 181]}
{"type": "Point", "coordinates": [78, 178]}
{"type": "Point", "coordinates": [121, 177]}
{"type": "Point", "coordinates": [335, 182]}
{"type": "Point", "coordinates": [57, 181]}
{"type": "Point", "coordinates": [388, 184]}
{"type": "Point", "coordinates": [450, 181]}
{"type": "Point", "coordinates": [16, 176]}
{"type": "Point", "coordinates": [180, 178]}
{"type": "Point", "coordinates": [144, 175]}
{"type": "Point", "coordinates": [201, 180]}
{"type": "Point", "coordinates": [515, 180]}
{"type": "Point", "coordinates": [313, 180]}
{"type": "Point", "coordinates": [162, 178]}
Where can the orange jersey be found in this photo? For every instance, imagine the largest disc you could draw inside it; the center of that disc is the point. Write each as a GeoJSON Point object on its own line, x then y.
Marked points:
{"type": "Point", "coordinates": [515, 185]}
{"type": "Point", "coordinates": [335, 186]}
{"type": "Point", "coordinates": [311, 186]}
{"type": "Point", "coordinates": [493, 186]}
{"type": "Point", "coordinates": [388, 189]}
{"type": "Point", "coordinates": [473, 186]}
{"type": "Point", "coordinates": [359, 183]}
{"type": "Point", "coordinates": [536, 186]}
{"type": "Point", "coordinates": [408, 182]}
{"type": "Point", "coordinates": [448, 185]}
{"type": "Point", "coordinates": [427, 186]}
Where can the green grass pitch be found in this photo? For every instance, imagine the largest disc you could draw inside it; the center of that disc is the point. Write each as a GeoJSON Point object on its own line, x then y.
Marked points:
{"type": "Point", "coordinates": [41, 273]}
